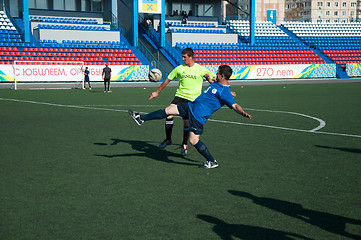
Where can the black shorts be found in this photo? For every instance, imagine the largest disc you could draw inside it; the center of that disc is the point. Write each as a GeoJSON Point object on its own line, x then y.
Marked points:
{"type": "Point", "coordinates": [194, 125]}
{"type": "Point", "coordinates": [179, 100]}
{"type": "Point", "coordinates": [106, 79]}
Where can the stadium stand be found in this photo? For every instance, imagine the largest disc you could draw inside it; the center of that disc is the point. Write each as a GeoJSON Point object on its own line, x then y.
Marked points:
{"type": "Point", "coordinates": [272, 46]}
{"type": "Point", "coordinates": [339, 41]}
{"type": "Point", "coordinates": [12, 47]}
{"type": "Point", "coordinates": [200, 32]}
{"type": "Point", "coordinates": [8, 32]}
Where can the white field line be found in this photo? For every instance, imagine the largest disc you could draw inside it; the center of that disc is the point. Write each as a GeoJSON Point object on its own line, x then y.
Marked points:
{"type": "Point", "coordinates": [314, 130]}
{"type": "Point", "coordinates": [322, 123]}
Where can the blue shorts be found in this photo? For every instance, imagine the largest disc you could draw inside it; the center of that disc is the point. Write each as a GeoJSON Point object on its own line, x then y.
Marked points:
{"type": "Point", "coordinates": [194, 125]}
{"type": "Point", "coordinates": [179, 100]}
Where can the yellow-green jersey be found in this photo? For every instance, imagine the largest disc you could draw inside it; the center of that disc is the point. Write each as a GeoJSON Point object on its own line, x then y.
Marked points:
{"type": "Point", "coordinates": [190, 80]}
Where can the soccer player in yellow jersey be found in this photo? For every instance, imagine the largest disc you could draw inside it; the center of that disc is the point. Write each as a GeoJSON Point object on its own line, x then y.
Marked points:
{"type": "Point", "coordinates": [190, 76]}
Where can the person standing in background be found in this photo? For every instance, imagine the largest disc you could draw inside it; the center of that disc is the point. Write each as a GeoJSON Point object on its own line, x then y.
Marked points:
{"type": "Point", "coordinates": [107, 74]}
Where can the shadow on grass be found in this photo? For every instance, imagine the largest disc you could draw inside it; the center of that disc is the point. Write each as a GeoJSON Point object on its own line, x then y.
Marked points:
{"type": "Point", "coordinates": [351, 150]}
{"type": "Point", "coordinates": [145, 149]}
{"type": "Point", "coordinates": [326, 221]}
{"type": "Point", "coordinates": [230, 231]}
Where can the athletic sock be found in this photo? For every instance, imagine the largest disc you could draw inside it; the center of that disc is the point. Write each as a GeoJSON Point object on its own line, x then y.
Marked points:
{"type": "Point", "coordinates": [169, 123]}
{"type": "Point", "coordinates": [185, 135]}
{"type": "Point", "coordinates": [203, 150]}
{"type": "Point", "coordinates": [159, 114]}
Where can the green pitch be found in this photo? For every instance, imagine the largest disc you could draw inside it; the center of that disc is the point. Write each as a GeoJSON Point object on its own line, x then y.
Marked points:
{"type": "Point", "coordinates": [74, 165]}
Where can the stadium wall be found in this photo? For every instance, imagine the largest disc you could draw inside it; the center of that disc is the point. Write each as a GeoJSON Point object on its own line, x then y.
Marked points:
{"type": "Point", "coordinates": [223, 38]}
{"type": "Point", "coordinates": [59, 35]}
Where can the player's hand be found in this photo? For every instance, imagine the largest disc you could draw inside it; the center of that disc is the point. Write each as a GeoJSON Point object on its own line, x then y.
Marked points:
{"type": "Point", "coordinates": [234, 94]}
{"type": "Point", "coordinates": [153, 95]}
{"type": "Point", "coordinates": [244, 114]}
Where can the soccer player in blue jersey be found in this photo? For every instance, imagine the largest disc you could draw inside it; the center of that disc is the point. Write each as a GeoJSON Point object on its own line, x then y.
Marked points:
{"type": "Point", "coordinates": [213, 98]}
{"type": "Point", "coordinates": [190, 76]}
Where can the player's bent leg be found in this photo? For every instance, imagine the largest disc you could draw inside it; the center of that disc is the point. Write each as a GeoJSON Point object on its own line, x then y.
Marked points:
{"type": "Point", "coordinates": [172, 110]}
{"type": "Point", "coordinates": [203, 150]}
{"type": "Point", "coordinates": [140, 119]}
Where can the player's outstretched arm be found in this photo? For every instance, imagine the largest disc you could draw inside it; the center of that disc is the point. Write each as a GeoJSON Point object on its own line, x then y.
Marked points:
{"type": "Point", "coordinates": [238, 109]}
{"type": "Point", "coordinates": [156, 93]}
{"type": "Point", "coordinates": [208, 78]}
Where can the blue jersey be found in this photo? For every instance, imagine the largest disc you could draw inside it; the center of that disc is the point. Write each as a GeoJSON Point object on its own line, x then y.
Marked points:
{"type": "Point", "coordinates": [212, 99]}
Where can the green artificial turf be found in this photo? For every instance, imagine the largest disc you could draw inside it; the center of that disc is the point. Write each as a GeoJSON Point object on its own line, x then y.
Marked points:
{"type": "Point", "coordinates": [74, 165]}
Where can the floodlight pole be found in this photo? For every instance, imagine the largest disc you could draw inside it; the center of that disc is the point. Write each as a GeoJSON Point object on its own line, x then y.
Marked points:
{"type": "Point", "coordinates": [252, 21]}
{"type": "Point", "coordinates": [135, 23]}
{"type": "Point", "coordinates": [162, 25]}
{"type": "Point", "coordinates": [26, 21]}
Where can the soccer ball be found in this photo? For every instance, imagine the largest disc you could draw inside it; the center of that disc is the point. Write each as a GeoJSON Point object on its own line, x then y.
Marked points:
{"type": "Point", "coordinates": [155, 75]}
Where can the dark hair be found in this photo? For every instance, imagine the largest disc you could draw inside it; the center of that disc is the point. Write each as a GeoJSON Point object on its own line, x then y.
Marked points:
{"type": "Point", "coordinates": [226, 71]}
{"type": "Point", "coordinates": [188, 51]}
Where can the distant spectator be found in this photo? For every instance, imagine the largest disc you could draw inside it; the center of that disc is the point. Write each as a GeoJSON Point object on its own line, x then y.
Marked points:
{"type": "Point", "coordinates": [190, 13]}
{"type": "Point", "coordinates": [148, 23]}
{"type": "Point", "coordinates": [185, 19]}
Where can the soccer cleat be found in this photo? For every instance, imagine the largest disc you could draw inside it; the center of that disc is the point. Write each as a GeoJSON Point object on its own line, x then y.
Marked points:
{"type": "Point", "coordinates": [165, 143]}
{"type": "Point", "coordinates": [136, 117]}
{"type": "Point", "coordinates": [184, 150]}
{"type": "Point", "coordinates": [209, 164]}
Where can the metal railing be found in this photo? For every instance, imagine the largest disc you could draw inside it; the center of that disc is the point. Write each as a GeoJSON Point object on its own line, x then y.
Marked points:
{"type": "Point", "coordinates": [155, 37]}
{"type": "Point", "coordinates": [152, 59]}
{"type": "Point", "coordinates": [117, 24]}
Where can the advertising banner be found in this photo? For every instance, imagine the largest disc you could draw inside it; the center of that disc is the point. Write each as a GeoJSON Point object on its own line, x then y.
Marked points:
{"type": "Point", "coordinates": [70, 73]}
{"type": "Point", "coordinates": [150, 6]}
{"type": "Point", "coordinates": [353, 69]}
{"type": "Point", "coordinates": [286, 71]}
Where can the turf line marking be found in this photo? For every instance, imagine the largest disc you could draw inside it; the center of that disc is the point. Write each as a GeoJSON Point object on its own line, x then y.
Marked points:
{"type": "Point", "coordinates": [212, 120]}
{"type": "Point", "coordinates": [61, 105]}
{"type": "Point", "coordinates": [121, 105]}
{"type": "Point", "coordinates": [322, 123]}
{"type": "Point", "coordinates": [288, 129]}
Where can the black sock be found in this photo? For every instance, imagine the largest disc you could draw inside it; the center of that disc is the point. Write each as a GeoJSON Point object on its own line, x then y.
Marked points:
{"type": "Point", "coordinates": [169, 123]}
{"type": "Point", "coordinates": [185, 135]}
